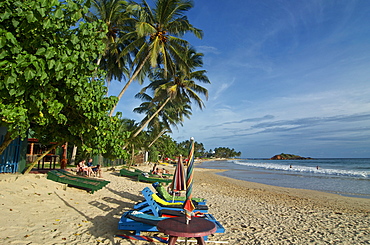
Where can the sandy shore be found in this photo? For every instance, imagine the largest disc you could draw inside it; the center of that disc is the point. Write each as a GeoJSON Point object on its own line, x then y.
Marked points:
{"type": "Point", "coordinates": [35, 210]}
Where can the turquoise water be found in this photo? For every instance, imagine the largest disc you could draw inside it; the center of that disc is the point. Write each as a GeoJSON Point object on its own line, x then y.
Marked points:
{"type": "Point", "coordinates": [343, 176]}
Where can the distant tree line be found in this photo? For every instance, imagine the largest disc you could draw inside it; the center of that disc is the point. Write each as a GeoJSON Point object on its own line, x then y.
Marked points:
{"type": "Point", "coordinates": [166, 147]}
{"type": "Point", "coordinates": [224, 152]}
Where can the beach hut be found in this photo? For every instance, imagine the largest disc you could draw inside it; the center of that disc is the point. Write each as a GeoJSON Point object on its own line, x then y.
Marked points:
{"type": "Point", "coordinates": [12, 160]}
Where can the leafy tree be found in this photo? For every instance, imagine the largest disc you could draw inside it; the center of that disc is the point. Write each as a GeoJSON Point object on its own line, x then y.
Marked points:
{"type": "Point", "coordinates": [225, 152]}
{"type": "Point", "coordinates": [165, 146]}
{"type": "Point", "coordinates": [199, 149]}
{"type": "Point", "coordinates": [46, 65]}
{"type": "Point", "coordinates": [172, 114]}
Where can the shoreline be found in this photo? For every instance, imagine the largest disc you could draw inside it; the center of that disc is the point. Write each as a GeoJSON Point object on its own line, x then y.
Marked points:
{"type": "Point", "coordinates": [36, 210]}
{"type": "Point", "coordinates": [262, 175]}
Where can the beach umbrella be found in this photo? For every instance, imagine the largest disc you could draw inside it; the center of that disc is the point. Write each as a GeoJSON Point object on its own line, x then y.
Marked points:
{"type": "Point", "coordinates": [188, 204]}
{"type": "Point", "coordinates": [178, 182]}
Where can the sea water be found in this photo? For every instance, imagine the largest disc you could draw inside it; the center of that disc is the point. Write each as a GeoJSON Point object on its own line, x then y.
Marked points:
{"type": "Point", "coordinates": [348, 176]}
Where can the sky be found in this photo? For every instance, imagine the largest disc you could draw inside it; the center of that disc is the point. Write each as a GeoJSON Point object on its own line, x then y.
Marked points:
{"type": "Point", "coordinates": [286, 77]}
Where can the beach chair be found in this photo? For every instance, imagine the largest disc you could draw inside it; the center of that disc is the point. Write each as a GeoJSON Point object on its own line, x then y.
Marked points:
{"type": "Point", "coordinates": [142, 222]}
{"type": "Point", "coordinates": [151, 206]}
{"type": "Point", "coordinates": [150, 196]}
{"type": "Point", "coordinates": [145, 178]}
{"type": "Point", "coordinates": [128, 173]}
{"type": "Point", "coordinates": [169, 198]}
{"type": "Point", "coordinates": [86, 183]}
{"type": "Point", "coordinates": [153, 175]}
{"type": "Point", "coordinates": [141, 176]}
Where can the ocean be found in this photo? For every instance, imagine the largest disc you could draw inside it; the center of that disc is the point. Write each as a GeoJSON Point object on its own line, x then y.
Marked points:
{"type": "Point", "coordinates": [343, 176]}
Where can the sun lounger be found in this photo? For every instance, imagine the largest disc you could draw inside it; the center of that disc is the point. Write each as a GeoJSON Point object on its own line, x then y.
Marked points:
{"type": "Point", "coordinates": [143, 178]}
{"type": "Point", "coordinates": [140, 176]}
{"type": "Point", "coordinates": [139, 222]}
{"type": "Point", "coordinates": [165, 204]}
{"type": "Point", "coordinates": [153, 207]}
{"type": "Point", "coordinates": [128, 173]}
{"type": "Point", "coordinates": [152, 175]}
{"type": "Point", "coordinates": [166, 196]}
{"type": "Point", "coordinates": [89, 184]}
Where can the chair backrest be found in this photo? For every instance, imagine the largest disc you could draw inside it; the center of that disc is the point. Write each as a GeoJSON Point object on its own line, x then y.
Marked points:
{"type": "Point", "coordinates": [154, 207]}
{"type": "Point", "coordinates": [163, 192]}
{"type": "Point", "coordinates": [162, 202]}
{"type": "Point", "coordinates": [166, 196]}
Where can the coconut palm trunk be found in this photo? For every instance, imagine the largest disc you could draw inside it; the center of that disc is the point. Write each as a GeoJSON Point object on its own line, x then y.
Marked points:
{"type": "Point", "coordinates": [156, 138]}
{"type": "Point", "coordinates": [133, 77]}
{"type": "Point", "coordinates": [148, 121]}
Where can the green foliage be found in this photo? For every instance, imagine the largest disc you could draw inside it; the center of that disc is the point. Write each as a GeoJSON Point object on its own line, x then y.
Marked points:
{"type": "Point", "coordinates": [199, 150]}
{"type": "Point", "coordinates": [46, 64]}
{"type": "Point", "coordinates": [289, 156]}
{"type": "Point", "coordinates": [166, 147]}
{"type": "Point", "coordinates": [225, 152]}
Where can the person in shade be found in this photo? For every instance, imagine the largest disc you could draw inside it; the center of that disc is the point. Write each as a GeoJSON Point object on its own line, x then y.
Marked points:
{"type": "Point", "coordinates": [96, 169]}
{"type": "Point", "coordinates": [83, 168]}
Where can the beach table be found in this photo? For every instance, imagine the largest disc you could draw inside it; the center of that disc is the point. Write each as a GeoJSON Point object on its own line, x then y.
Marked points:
{"type": "Point", "coordinates": [177, 227]}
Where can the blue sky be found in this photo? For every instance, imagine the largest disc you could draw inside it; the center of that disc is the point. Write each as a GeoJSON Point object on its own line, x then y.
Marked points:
{"type": "Point", "coordinates": [286, 76]}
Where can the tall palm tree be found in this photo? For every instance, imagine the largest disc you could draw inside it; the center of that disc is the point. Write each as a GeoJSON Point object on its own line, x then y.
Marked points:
{"type": "Point", "coordinates": [172, 114]}
{"type": "Point", "coordinates": [181, 87]}
{"type": "Point", "coordinates": [157, 37]}
{"type": "Point", "coordinates": [113, 14]}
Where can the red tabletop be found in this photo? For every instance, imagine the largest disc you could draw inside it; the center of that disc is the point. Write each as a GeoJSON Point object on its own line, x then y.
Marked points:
{"type": "Point", "coordinates": [197, 227]}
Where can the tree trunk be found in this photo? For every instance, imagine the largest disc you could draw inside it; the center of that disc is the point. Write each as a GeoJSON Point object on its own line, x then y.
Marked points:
{"type": "Point", "coordinates": [73, 157]}
{"type": "Point", "coordinates": [156, 138]}
{"type": "Point", "coordinates": [128, 84]}
{"type": "Point", "coordinates": [64, 161]}
{"type": "Point", "coordinates": [6, 142]}
{"type": "Point", "coordinates": [151, 118]}
{"type": "Point", "coordinates": [147, 121]}
{"type": "Point", "coordinates": [132, 156]}
{"type": "Point", "coordinates": [40, 157]}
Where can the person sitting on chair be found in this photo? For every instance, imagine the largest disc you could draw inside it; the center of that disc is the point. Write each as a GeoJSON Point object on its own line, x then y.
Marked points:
{"type": "Point", "coordinates": [96, 169]}
{"type": "Point", "coordinates": [82, 168]}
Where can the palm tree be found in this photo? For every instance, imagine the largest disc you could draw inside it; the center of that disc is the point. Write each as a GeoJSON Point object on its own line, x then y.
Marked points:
{"type": "Point", "coordinates": [179, 88]}
{"type": "Point", "coordinates": [113, 14]}
{"type": "Point", "coordinates": [157, 37]}
{"type": "Point", "coordinates": [171, 115]}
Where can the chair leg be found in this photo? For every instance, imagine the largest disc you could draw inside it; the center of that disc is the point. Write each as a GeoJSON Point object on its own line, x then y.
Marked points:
{"type": "Point", "coordinates": [172, 240]}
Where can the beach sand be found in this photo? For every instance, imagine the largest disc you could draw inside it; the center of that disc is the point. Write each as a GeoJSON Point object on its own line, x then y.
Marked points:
{"type": "Point", "coordinates": [35, 210]}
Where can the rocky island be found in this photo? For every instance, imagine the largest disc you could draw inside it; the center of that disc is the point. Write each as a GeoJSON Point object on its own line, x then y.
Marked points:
{"type": "Point", "coordinates": [284, 156]}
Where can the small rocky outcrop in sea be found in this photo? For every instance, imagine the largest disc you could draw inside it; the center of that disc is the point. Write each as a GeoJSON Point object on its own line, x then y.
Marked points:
{"type": "Point", "coordinates": [284, 156]}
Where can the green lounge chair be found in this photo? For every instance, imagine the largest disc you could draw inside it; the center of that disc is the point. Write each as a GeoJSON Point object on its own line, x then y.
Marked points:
{"type": "Point", "coordinates": [143, 178]}
{"type": "Point", "coordinates": [166, 196]}
{"type": "Point", "coordinates": [152, 175]}
{"type": "Point", "coordinates": [128, 173]}
{"type": "Point", "coordinates": [89, 184]}
{"type": "Point", "coordinates": [140, 177]}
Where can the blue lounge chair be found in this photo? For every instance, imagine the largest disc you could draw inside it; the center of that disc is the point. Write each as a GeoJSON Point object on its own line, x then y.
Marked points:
{"type": "Point", "coordinates": [150, 205]}
{"type": "Point", "coordinates": [165, 204]}
{"type": "Point", "coordinates": [166, 196]}
{"type": "Point", "coordinates": [139, 222]}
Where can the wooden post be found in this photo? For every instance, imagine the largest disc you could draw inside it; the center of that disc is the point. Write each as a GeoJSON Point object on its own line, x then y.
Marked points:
{"type": "Point", "coordinates": [63, 162]}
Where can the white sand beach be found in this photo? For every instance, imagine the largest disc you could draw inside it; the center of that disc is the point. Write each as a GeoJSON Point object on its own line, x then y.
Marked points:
{"type": "Point", "coordinates": [35, 210]}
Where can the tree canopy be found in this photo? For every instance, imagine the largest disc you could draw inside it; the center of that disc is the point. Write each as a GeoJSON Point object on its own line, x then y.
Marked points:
{"type": "Point", "coordinates": [225, 152]}
{"type": "Point", "coordinates": [50, 83]}
{"type": "Point", "coordinates": [56, 55]}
